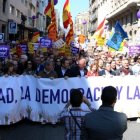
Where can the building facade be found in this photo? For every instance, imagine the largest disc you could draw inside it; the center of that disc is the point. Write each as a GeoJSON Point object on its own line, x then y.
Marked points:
{"type": "Point", "coordinates": [125, 11]}
{"type": "Point", "coordinates": [93, 15]}
{"type": "Point", "coordinates": [4, 13]}
{"type": "Point", "coordinates": [28, 14]}
{"type": "Point", "coordinates": [81, 25]}
{"type": "Point", "coordinates": [41, 18]}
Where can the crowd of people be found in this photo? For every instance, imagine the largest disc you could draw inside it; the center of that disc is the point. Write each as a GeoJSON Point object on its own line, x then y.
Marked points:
{"type": "Point", "coordinates": [53, 65]}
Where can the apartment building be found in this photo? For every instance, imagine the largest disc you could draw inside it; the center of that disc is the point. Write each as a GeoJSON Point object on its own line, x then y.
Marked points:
{"type": "Point", "coordinates": [93, 15]}
{"type": "Point", "coordinates": [81, 25]}
{"type": "Point", "coordinates": [125, 11]}
{"type": "Point", "coordinates": [4, 4]}
{"type": "Point", "coordinates": [41, 18]}
{"type": "Point", "coordinates": [28, 14]}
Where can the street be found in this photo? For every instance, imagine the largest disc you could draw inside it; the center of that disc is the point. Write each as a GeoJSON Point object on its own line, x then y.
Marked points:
{"type": "Point", "coordinates": [32, 131]}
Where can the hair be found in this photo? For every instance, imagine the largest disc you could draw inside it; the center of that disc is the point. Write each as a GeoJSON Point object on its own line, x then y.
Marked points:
{"type": "Point", "coordinates": [93, 64]}
{"type": "Point", "coordinates": [76, 97]}
{"type": "Point", "coordinates": [109, 95]}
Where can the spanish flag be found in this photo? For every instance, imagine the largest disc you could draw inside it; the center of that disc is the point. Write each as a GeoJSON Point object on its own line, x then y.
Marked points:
{"type": "Point", "coordinates": [35, 37]}
{"type": "Point", "coordinates": [66, 14]}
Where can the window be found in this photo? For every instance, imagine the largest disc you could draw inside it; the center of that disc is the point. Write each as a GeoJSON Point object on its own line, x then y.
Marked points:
{"type": "Point", "coordinates": [131, 18]}
{"type": "Point", "coordinates": [3, 28]}
{"type": "Point", "coordinates": [4, 5]}
{"type": "Point", "coordinates": [26, 3]}
{"type": "Point", "coordinates": [17, 13]}
{"type": "Point", "coordinates": [12, 9]}
{"type": "Point", "coordinates": [130, 33]}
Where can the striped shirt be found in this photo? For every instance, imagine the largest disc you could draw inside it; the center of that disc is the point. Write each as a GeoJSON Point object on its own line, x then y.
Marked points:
{"type": "Point", "coordinates": [72, 131]}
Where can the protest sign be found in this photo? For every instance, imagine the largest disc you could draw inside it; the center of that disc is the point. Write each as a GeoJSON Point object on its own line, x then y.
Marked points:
{"type": "Point", "coordinates": [42, 100]}
{"type": "Point", "coordinates": [45, 42]}
{"type": "Point", "coordinates": [4, 51]}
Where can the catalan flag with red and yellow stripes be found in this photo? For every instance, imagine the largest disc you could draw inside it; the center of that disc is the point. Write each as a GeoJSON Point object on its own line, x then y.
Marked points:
{"type": "Point", "coordinates": [66, 14]}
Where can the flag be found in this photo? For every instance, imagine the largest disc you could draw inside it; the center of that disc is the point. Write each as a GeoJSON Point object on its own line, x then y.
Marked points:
{"type": "Point", "coordinates": [52, 28]}
{"type": "Point", "coordinates": [117, 38]}
{"type": "Point", "coordinates": [99, 34]}
{"type": "Point", "coordinates": [48, 10]}
{"type": "Point", "coordinates": [70, 35]}
{"type": "Point", "coordinates": [100, 29]}
{"type": "Point", "coordinates": [66, 14]}
{"type": "Point", "coordinates": [35, 37]}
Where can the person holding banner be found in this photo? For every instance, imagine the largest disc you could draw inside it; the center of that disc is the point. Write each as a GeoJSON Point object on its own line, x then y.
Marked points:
{"type": "Point", "coordinates": [80, 69]}
{"type": "Point", "coordinates": [48, 71]}
{"type": "Point", "coordinates": [93, 70]}
{"type": "Point", "coordinates": [30, 69]}
{"type": "Point", "coordinates": [125, 70]}
{"type": "Point", "coordinates": [9, 70]}
{"type": "Point", "coordinates": [63, 70]}
{"type": "Point", "coordinates": [105, 123]}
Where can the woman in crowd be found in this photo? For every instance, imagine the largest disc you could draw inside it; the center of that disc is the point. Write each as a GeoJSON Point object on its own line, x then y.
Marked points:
{"type": "Point", "coordinates": [9, 70]}
{"type": "Point", "coordinates": [30, 69]}
{"type": "Point", "coordinates": [93, 70]}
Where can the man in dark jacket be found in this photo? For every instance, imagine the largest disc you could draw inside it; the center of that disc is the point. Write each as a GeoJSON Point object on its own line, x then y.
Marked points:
{"type": "Point", "coordinates": [105, 123]}
{"type": "Point", "coordinates": [79, 70]}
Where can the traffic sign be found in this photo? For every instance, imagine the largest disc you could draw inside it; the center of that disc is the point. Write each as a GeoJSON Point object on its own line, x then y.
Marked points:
{"type": "Point", "coordinates": [12, 27]}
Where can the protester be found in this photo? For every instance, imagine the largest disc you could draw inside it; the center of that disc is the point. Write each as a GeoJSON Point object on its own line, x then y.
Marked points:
{"type": "Point", "coordinates": [80, 69]}
{"type": "Point", "coordinates": [93, 70]}
{"type": "Point", "coordinates": [125, 70]}
{"type": "Point", "coordinates": [9, 71]}
{"type": "Point", "coordinates": [73, 118]}
{"type": "Point", "coordinates": [48, 71]}
{"type": "Point", "coordinates": [107, 70]}
{"type": "Point", "coordinates": [64, 69]}
{"type": "Point", "coordinates": [30, 69]}
{"type": "Point", "coordinates": [105, 123]}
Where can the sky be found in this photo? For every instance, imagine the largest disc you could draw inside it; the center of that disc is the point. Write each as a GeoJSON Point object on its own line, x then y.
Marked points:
{"type": "Point", "coordinates": [76, 6]}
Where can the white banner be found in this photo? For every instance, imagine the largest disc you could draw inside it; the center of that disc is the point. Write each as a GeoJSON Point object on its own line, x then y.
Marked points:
{"type": "Point", "coordinates": [42, 100]}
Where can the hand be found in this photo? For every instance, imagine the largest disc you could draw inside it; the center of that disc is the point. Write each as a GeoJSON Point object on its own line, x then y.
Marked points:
{"type": "Point", "coordinates": [6, 75]}
{"type": "Point", "coordinates": [79, 76]}
{"type": "Point", "coordinates": [86, 101]}
{"type": "Point", "coordinates": [51, 78]}
{"type": "Point", "coordinates": [66, 77]}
